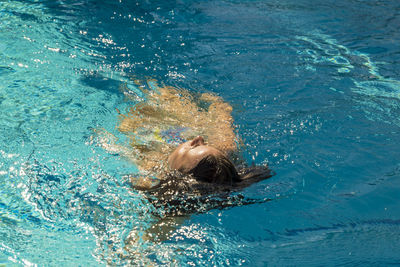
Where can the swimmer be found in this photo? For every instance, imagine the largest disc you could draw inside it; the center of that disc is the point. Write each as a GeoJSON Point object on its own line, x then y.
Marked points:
{"type": "Point", "coordinates": [171, 116]}
{"type": "Point", "coordinates": [174, 131]}
{"type": "Point", "coordinates": [185, 147]}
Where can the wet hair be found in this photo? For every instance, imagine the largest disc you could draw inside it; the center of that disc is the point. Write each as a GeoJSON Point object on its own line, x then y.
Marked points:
{"type": "Point", "coordinates": [220, 170]}
{"type": "Point", "coordinates": [179, 194]}
{"type": "Point", "coordinates": [213, 184]}
{"type": "Point", "coordinates": [215, 169]}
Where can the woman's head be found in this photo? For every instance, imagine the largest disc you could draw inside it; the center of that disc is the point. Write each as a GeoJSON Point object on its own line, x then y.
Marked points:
{"type": "Point", "coordinates": [204, 162]}
{"type": "Point", "coordinates": [216, 169]}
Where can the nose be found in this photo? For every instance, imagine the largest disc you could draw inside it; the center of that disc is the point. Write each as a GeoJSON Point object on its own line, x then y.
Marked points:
{"type": "Point", "coordinates": [198, 141]}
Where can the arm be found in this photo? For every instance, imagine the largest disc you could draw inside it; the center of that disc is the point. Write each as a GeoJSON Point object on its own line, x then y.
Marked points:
{"type": "Point", "coordinates": [222, 134]}
{"type": "Point", "coordinates": [143, 183]}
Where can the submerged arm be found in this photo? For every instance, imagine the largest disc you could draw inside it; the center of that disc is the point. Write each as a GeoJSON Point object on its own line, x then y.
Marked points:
{"type": "Point", "coordinates": [222, 134]}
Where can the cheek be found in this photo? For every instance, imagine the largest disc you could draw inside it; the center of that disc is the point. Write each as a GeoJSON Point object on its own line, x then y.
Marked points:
{"type": "Point", "coordinates": [193, 157]}
{"type": "Point", "coordinates": [176, 157]}
{"type": "Point", "coordinates": [172, 159]}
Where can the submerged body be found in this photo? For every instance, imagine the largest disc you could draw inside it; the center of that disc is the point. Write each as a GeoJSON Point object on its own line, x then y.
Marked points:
{"type": "Point", "coordinates": [171, 116]}
{"type": "Point", "coordinates": [173, 133]}
{"type": "Point", "coordinates": [181, 144]}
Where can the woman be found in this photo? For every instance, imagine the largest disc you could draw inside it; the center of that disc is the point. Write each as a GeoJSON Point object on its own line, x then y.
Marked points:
{"type": "Point", "coordinates": [184, 146]}
{"type": "Point", "coordinates": [182, 143]}
{"type": "Point", "coordinates": [171, 116]}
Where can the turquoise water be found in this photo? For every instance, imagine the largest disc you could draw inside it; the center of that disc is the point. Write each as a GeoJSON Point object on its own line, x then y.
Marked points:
{"type": "Point", "coordinates": [315, 89]}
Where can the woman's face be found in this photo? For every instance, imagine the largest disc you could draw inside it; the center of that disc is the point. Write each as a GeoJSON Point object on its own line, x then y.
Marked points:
{"type": "Point", "coordinates": [187, 155]}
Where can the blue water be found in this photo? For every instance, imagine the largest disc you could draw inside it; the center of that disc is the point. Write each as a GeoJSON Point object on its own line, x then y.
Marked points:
{"type": "Point", "coordinates": [315, 87]}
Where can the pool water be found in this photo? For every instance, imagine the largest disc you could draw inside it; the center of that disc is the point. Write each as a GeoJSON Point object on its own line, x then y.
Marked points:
{"type": "Point", "coordinates": [315, 88]}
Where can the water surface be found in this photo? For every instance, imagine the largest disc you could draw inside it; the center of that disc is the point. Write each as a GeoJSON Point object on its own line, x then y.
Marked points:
{"type": "Point", "coordinates": [316, 94]}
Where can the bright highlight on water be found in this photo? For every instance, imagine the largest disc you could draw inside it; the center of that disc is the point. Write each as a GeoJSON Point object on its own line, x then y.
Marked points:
{"type": "Point", "coordinates": [315, 94]}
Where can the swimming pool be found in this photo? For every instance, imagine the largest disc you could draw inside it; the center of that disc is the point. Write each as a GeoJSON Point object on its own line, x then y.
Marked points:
{"type": "Point", "coordinates": [315, 89]}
